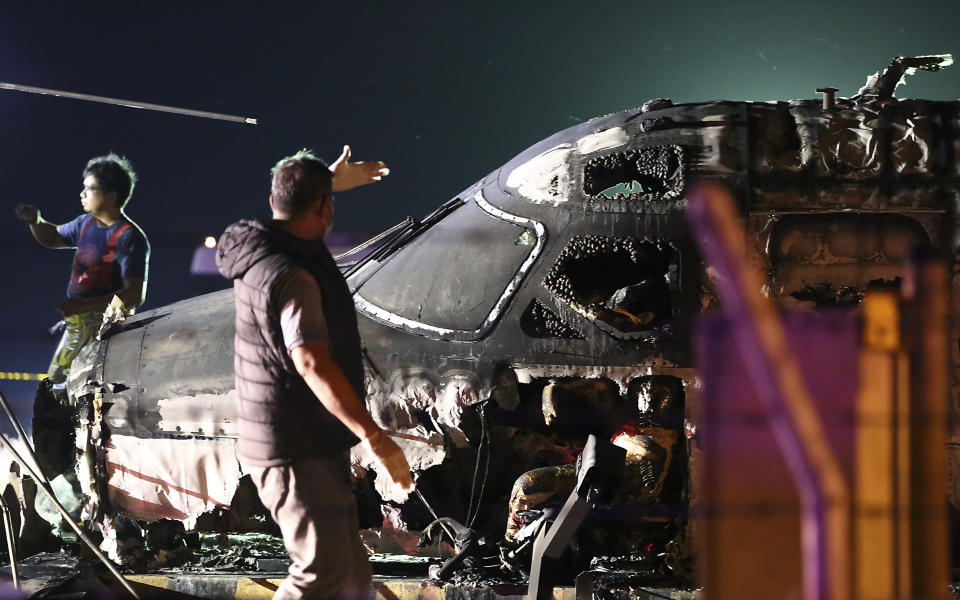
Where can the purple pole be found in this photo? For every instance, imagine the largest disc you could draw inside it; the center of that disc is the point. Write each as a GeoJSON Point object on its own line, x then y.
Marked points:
{"type": "Point", "coordinates": [776, 378]}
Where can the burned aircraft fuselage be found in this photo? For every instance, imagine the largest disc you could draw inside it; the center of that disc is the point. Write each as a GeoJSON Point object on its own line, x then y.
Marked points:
{"type": "Point", "coordinates": [528, 311]}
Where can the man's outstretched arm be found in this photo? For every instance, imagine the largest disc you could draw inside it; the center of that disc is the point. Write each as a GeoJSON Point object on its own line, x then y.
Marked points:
{"type": "Point", "coordinates": [348, 175]}
{"type": "Point", "coordinates": [43, 231]}
{"type": "Point", "coordinates": [326, 380]}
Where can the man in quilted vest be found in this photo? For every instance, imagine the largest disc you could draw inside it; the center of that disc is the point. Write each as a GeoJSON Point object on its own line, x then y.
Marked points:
{"type": "Point", "coordinates": [300, 379]}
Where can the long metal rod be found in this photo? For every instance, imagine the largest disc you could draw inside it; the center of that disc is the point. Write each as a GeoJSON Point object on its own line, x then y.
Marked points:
{"type": "Point", "coordinates": [7, 519]}
{"type": "Point", "coordinates": [45, 486]}
{"type": "Point", "coordinates": [128, 103]}
{"type": "Point", "coordinates": [11, 546]}
{"type": "Point", "coordinates": [23, 436]}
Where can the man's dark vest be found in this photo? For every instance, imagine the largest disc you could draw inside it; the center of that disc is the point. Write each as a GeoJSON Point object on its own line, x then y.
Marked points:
{"type": "Point", "coordinates": [281, 420]}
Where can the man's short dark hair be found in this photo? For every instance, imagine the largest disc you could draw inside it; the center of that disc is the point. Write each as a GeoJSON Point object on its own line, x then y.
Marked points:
{"type": "Point", "coordinates": [299, 182]}
{"type": "Point", "coordinates": [114, 174]}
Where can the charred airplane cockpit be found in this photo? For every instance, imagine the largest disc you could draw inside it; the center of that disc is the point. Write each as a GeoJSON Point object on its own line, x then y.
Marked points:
{"type": "Point", "coordinates": [550, 301]}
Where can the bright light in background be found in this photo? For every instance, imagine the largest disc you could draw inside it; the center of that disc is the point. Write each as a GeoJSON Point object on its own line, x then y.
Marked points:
{"type": "Point", "coordinates": [205, 258]}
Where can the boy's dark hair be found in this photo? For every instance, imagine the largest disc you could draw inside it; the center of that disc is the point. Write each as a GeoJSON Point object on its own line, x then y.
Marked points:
{"type": "Point", "coordinates": [299, 181]}
{"type": "Point", "coordinates": [114, 174]}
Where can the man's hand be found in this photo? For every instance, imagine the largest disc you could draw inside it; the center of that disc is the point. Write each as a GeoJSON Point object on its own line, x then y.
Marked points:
{"type": "Point", "coordinates": [348, 175]}
{"type": "Point", "coordinates": [42, 231]}
{"type": "Point", "coordinates": [28, 213]}
{"type": "Point", "coordinates": [326, 381]}
{"type": "Point", "coordinates": [389, 454]}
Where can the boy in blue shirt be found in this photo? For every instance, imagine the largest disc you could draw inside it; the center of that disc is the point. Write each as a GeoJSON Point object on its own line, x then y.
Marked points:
{"type": "Point", "coordinates": [111, 257]}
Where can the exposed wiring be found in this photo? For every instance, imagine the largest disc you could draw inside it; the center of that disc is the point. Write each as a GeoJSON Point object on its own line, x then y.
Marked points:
{"type": "Point", "coordinates": [484, 436]}
{"type": "Point", "coordinates": [473, 480]}
{"type": "Point", "coordinates": [471, 516]}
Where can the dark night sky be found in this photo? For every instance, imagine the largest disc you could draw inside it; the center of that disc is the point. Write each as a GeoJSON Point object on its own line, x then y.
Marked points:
{"type": "Point", "coordinates": [443, 92]}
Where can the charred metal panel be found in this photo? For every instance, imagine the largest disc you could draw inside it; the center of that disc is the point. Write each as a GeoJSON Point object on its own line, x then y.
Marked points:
{"type": "Point", "coordinates": [775, 140]}
{"type": "Point", "coordinates": [832, 259]}
{"type": "Point", "coordinates": [837, 196]}
{"type": "Point", "coordinates": [714, 133]}
{"type": "Point", "coordinates": [807, 158]}
{"type": "Point", "coordinates": [772, 196]}
{"type": "Point", "coordinates": [183, 381]}
{"type": "Point", "coordinates": [723, 149]}
{"type": "Point", "coordinates": [842, 143]}
{"type": "Point", "coordinates": [952, 142]}
{"type": "Point", "coordinates": [915, 138]}
{"type": "Point", "coordinates": [852, 196]}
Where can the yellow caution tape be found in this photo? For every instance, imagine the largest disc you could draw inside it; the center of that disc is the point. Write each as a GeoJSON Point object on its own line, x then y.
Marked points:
{"type": "Point", "coordinates": [22, 376]}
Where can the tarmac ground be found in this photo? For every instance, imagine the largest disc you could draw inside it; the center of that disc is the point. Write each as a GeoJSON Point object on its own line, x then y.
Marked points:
{"type": "Point", "coordinates": [56, 576]}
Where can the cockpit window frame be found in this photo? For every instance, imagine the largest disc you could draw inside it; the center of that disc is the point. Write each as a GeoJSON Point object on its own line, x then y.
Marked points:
{"type": "Point", "coordinates": [396, 321]}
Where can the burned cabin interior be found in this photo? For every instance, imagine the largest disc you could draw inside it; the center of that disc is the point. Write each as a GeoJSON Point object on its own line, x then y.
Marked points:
{"type": "Point", "coordinates": [618, 284]}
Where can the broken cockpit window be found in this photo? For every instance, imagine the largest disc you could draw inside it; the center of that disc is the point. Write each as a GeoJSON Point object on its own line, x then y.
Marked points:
{"type": "Point", "coordinates": [832, 259]}
{"type": "Point", "coordinates": [650, 173]}
{"type": "Point", "coordinates": [623, 285]}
